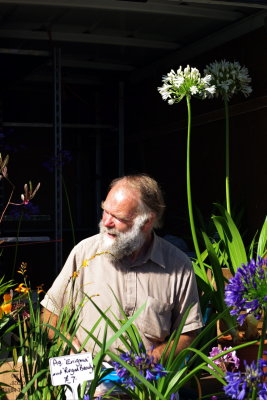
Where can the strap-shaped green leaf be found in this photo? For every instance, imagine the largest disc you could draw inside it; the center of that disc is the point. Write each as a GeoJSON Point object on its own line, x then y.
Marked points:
{"type": "Point", "coordinates": [231, 238]}
{"type": "Point", "coordinates": [262, 244]}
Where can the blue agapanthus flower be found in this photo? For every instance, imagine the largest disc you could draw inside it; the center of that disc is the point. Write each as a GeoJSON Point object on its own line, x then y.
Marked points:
{"type": "Point", "coordinates": [54, 163]}
{"type": "Point", "coordinates": [143, 363]}
{"type": "Point", "coordinates": [247, 290]}
{"type": "Point", "coordinates": [24, 211]}
{"type": "Point", "coordinates": [240, 385]}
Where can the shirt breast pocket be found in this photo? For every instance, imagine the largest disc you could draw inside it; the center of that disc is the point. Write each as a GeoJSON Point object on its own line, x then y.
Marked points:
{"type": "Point", "coordinates": [155, 321]}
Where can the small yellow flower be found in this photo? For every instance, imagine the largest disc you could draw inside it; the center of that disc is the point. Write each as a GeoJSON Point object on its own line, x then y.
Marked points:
{"type": "Point", "coordinates": [22, 288]}
{"type": "Point", "coordinates": [40, 288]}
{"type": "Point", "coordinates": [75, 274]}
{"type": "Point", "coordinates": [85, 263]}
{"type": "Point", "coordinates": [23, 268]}
{"type": "Point", "coordinates": [6, 307]}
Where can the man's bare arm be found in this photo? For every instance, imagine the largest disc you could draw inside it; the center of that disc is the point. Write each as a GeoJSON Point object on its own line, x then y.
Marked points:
{"type": "Point", "coordinates": [185, 341]}
{"type": "Point", "coordinates": [48, 317]}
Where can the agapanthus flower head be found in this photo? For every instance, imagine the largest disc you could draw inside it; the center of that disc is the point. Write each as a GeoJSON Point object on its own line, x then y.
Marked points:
{"type": "Point", "coordinates": [246, 291]}
{"type": "Point", "coordinates": [229, 78]}
{"type": "Point", "coordinates": [240, 385]}
{"type": "Point", "coordinates": [24, 211]}
{"type": "Point", "coordinates": [10, 147]}
{"type": "Point", "coordinates": [226, 361]}
{"type": "Point", "coordinates": [185, 82]}
{"type": "Point", "coordinates": [54, 163]}
{"type": "Point", "coordinates": [143, 363]}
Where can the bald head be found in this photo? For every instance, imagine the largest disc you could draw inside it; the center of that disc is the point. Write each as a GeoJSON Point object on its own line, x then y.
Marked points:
{"type": "Point", "coordinates": [148, 193]}
{"type": "Point", "coordinates": [123, 202]}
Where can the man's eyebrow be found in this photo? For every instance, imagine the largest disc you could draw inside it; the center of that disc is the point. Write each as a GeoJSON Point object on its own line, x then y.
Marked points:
{"type": "Point", "coordinates": [103, 208]}
{"type": "Point", "coordinates": [122, 218]}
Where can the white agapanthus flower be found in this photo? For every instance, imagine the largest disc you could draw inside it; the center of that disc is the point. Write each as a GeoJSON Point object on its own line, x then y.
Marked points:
{"type": "Point", "coordinates": [187, 82]}
{"type": "Point", "coordinates": [229, 78]}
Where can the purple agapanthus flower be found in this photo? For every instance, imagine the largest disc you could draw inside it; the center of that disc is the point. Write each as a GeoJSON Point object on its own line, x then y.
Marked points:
{"type": "Point", "coordinates": [24, 211]}
{"type": "Point", "coordinates": [247, 290]}
{"type": "Point", "coordinates": [6, 147]}
{"type": "Point", "coordinates": [240, 385]}
{"type": "Point", "coordinates": [143, 363]}
{"type": "Point", "coordinates": [53, 163]}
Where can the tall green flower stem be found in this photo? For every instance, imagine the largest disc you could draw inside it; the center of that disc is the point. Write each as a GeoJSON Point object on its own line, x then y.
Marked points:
{"type": "Point", "coordinates": [229, 78]}
{"type": "Point", "coordinates": [185, 83]}
{"type": "Point", "coordinates": [227, 156]}
{"type": "Point", "coordinates": [261, 347]}
{"type": "Point", "coordinates": [188, 185]}
{"type": "Point", "coordinates": [263, 334]}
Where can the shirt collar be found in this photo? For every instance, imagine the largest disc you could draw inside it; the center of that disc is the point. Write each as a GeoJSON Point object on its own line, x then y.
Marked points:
{"type": "Point", "coordinates": [156, 254]}
{"type": "Point", "coordinates": [153, 253]}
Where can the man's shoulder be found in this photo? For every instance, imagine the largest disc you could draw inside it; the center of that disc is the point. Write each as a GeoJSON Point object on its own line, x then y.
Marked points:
{"type": "Point", "coordinates": [167, 246]}
{"type": "Point", "coordinates": [170, 254]}
{"type": "Point", "coordinates": [89, 243]}
{"type": "Point", "coordinates": [89, 240]}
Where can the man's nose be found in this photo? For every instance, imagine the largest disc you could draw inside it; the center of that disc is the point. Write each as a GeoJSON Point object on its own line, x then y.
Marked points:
{"type": "Point", "coordinates": [108, 220]}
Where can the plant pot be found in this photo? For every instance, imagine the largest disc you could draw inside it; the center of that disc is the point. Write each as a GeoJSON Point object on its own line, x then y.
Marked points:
{"type": "Point", "coordinates": [10, 375]}
{"type": "Point", "coordinates": [250, 353]}
{"type": "Point", "coordinates": [210, 385]}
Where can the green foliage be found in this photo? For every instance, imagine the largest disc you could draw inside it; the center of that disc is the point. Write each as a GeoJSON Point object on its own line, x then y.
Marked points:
{"type": "Point", "coordinates": [230, 252]}
{"type": "Point", "coordinates": [182, 367]}
{"type": "Point", "coordinates": [7, 323]}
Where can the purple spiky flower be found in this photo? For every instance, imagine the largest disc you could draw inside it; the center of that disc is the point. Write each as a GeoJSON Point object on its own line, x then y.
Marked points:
{"type": "Point", "coordinates": [247, 290]}
{"type": "Point", "coordinates": [240, 385]}
{"type": "Point", "coordinates": [143, 363]}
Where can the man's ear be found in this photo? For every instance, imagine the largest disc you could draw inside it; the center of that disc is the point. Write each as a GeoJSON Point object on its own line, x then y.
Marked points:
{"type": "Point", "coordinates": [148, 225]}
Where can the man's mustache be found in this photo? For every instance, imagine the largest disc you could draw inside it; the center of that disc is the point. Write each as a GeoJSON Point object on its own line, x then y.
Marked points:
{"type": "Point", "coordinates": [113, 231]}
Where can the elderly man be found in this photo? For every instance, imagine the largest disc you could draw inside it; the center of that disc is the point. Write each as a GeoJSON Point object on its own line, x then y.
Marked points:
{"type": "Point", "coordinates": [138, 265]}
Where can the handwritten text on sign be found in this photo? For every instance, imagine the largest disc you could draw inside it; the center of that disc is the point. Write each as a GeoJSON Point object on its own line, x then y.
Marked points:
{"type": "Point", "coordinates": [71, 369]}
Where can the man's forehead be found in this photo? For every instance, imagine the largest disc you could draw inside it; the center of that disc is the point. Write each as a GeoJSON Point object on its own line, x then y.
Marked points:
{"type": "Point", "coordinates": [121, 196]}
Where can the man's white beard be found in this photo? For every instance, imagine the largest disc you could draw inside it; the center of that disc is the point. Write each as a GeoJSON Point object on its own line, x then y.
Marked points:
{"type": "Point", "coordinates": [125, 243]}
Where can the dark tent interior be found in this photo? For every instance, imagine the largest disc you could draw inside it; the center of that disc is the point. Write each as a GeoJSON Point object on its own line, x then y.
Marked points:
{"type": "Point", "coordinates": [79, 106]}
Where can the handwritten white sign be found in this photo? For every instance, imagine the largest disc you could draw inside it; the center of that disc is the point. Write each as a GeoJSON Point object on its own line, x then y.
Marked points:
{"type": "Point", "coordinates": [71, 369]}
